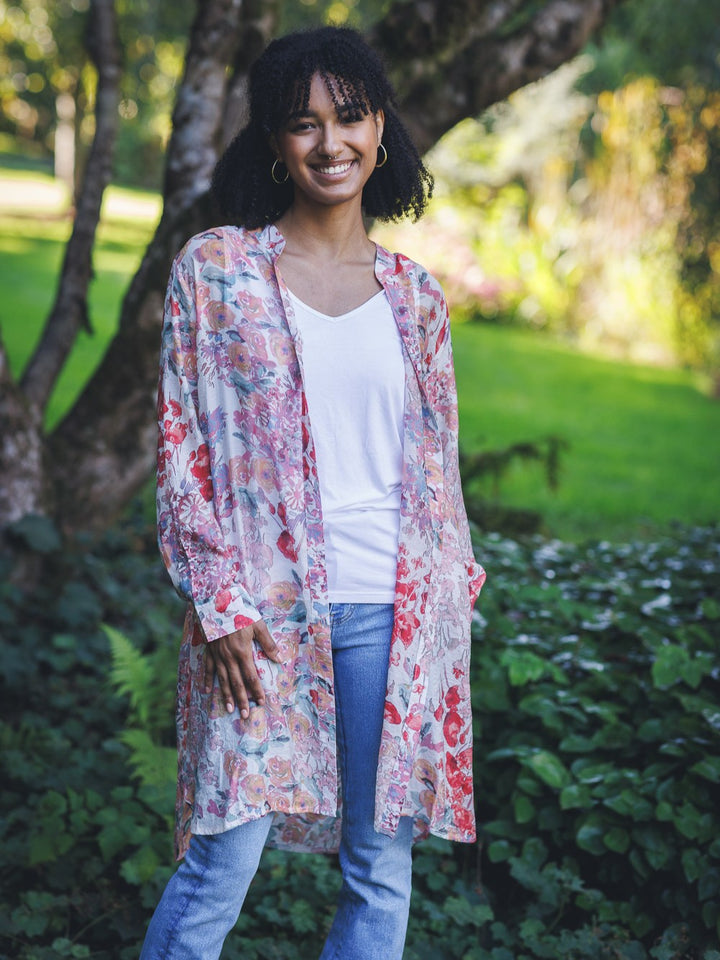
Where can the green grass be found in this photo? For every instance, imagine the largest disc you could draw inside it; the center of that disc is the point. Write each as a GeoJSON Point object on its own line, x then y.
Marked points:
{"type": "Point", "coordinates": [644, 442]}
{"type": "Point", "coordinates": [33, 230]}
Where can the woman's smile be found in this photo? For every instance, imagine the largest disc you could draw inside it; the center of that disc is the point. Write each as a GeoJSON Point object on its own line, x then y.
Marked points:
{"type": "Point", "coordinates": [334, 169]}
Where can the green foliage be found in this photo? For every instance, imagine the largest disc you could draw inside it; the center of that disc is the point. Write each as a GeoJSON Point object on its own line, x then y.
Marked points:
{"type": "Point", "coordinates": [600, 797]}
{"type": "Point", "coordinates": [595, 689]}
{"type": "Point", "coordinates": [85, 847]}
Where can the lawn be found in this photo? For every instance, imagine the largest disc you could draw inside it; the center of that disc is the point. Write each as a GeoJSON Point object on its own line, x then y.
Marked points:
{"type": "Point", "coordinates": [644, 443]}
{"type": "Point", "coordinates": [34, 226]}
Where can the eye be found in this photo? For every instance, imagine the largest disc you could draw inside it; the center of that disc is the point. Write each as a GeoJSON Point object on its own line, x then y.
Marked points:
{"type": "Point", "coordinates": [298, 126]}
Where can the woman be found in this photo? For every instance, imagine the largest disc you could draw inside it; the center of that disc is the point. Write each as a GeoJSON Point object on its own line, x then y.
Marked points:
{"type": "Point", "coordinates": [310, 510]}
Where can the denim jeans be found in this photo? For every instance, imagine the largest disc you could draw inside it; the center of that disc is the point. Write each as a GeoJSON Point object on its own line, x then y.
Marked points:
{"type": "Point", "coordinates": [203, 899]}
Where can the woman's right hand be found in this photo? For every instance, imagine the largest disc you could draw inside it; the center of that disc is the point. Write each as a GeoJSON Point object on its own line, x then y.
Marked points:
{"type": "Point", "coordinates": [231, 658]}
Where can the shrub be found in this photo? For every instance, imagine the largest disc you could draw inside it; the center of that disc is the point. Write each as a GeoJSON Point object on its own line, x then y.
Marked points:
{"type": "Point", "coordinates": [596, 689]}
{"type": "Point", "coordinates": [595, 685]}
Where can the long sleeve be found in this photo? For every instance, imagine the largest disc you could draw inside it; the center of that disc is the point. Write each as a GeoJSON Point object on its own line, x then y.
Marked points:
{"type": "Point", "coordinates": [446, 411]}
{"type": "Point", "coordinates": [203, 567]}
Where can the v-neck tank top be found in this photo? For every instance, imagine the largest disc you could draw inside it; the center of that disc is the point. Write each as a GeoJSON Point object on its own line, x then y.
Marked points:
{"type": "Point", "coordinates": [354, 378]}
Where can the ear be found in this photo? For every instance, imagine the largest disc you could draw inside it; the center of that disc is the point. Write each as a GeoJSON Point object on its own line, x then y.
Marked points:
{"type": "Point", "coordinates": [380, 124]}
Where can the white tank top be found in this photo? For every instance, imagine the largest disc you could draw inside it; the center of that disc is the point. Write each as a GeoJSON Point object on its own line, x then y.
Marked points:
{"type": "Point", "coordinates": [354, 377]}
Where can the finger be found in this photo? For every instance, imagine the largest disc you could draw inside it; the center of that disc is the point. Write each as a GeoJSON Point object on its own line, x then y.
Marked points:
{"type": "Point", "coordinates": [248, 671]}
{"type": "Point", "coordinates": [236, 681]}
{"type": "Point", "coordinates": [225, 684]}
{"type": "Point", "coordinates": [266, 642]}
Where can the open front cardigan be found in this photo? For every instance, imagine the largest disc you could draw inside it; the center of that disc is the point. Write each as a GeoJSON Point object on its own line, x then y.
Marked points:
{"type": "Point", "coordinates": [240, 530]}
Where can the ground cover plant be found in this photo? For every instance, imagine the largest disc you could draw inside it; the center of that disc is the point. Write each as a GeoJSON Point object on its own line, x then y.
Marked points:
{"type": "Point", "coordinates": [595, 687]}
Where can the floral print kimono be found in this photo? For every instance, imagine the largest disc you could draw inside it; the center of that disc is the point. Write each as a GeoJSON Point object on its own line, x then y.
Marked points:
{"type": "Point", "coordinates": [240, 530]}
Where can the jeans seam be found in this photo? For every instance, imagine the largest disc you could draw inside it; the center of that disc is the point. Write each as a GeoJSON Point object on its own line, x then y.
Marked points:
{"type": "Point", "coordinates": [337, 620]}
{"type": "Point", "coordinates": [173, 930]}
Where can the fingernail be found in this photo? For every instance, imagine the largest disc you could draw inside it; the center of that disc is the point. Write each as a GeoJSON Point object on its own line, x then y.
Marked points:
{"type": "Point", "coordinates": [245, 714]}
{"type": "Point", "coordinates": [229, 706]}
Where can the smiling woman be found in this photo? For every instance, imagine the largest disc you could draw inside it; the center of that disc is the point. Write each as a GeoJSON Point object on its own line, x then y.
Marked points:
{"type": "Point", "coordinates": [309, 509]}
{"type": "Point", "coordinates": [329, 152]}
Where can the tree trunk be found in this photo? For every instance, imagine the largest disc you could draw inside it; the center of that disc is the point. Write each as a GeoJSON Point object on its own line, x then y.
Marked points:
{"type": "Point", "coordinates": [70, 311]}
{"type": "Point", "coordinates": [23, 489]}
{"type": "Point", "coordinates": [448, 61]}
{"type": "Point", "coordinates": [104, 450]}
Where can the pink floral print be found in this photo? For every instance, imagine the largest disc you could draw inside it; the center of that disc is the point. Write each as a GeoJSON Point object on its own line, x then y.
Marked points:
{"type": "Point", "coordinates": [240, 530]}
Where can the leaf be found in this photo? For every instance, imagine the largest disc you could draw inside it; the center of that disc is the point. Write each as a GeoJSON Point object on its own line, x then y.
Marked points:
{"type": "Point", "coordinates": [500, 850]}
{"type": "Point", "coordinates": [576, 795]}
{"type": "Point", "coordinates": [38, 532]}
{"type": "Point", "coordinates": [590, 835]}
{"type": "Point", "coordinates": [655, 848]}
{"type": "Point", "coordinates": [523, 666]}
{"type": "Point", "coordinates": [154, 765]}
{"type": "Point", "coordinates": [140, 867]}
{"type": "Point", "coordinates": [708, 767]}
{"type": "Point", "coordinates": [709, 885]}
{"type": "Point", "coordinates": [710, 608]}
{"type": "Point", "coordinates": [524, 809]}
{"type": "Point", "coordinates": [549, 768]}
{"type": "Point", "coordinates": [617, 839]}
{"type": "Point", "coordinates": [667, 668]}
{"type": "Point", "coordinates": [131, 674]}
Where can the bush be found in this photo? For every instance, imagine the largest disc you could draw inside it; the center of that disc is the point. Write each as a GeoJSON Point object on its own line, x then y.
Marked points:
{"type": "Point", "coordinates": [595, 689]}
{"type": "Point", "coordinates": [595, 686]}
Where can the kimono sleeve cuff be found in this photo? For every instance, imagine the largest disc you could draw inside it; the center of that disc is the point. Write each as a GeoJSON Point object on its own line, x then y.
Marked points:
{"type": "Point", "coordinates": [225, 613]}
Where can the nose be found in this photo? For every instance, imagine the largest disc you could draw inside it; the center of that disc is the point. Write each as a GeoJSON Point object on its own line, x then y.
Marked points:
{"type": "Point", "coordinates": [330, 142]}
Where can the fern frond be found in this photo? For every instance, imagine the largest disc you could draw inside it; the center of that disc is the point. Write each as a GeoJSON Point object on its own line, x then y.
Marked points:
{"type": "Point", "coordinates": [153, 765]}
{"type": "Point", "coordinates": [132, 675]}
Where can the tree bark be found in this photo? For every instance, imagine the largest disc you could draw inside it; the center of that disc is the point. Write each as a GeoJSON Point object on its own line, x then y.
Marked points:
{"type": "Point", "coordinates": [448, 61]}
{"type": "Point", "coordinates": [70, 311]}
{"type": "Point", "coordinates": [23, 489]}
{"type": "Point", "coordinates": [104, 449]}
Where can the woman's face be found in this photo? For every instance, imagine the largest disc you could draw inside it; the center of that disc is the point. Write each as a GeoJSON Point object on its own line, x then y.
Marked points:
{"type": "Point", "coordinates": [330, 152]}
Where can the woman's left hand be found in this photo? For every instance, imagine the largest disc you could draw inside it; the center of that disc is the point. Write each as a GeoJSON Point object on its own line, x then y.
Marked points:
{"type": "Point", "coordinates": [231, 659]}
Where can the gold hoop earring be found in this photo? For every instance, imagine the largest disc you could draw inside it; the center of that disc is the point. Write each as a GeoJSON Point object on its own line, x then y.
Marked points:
{"type": "Point", "coordinates": [272, 172]}
{"type": "Point", "coordinates": [381, 146]}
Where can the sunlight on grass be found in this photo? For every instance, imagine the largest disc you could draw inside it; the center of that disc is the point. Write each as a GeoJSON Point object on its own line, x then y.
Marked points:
{"type": "Point", "coordinates": [644, 442]}
{"type": "Point", "coordinates": [34, 226]}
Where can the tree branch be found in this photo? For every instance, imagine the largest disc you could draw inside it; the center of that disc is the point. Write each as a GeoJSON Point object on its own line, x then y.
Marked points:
{"type": "Point", "coordinates": [260, 22]}
{"type": "Point", "coordinates": [453, 75]}
{"type": "Point", "coordinates": [193, 147]}
{"type": "Point", "coordinates": [70, 312]}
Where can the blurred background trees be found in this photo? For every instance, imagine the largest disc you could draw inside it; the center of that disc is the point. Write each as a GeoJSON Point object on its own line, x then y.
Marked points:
{"type": "Point", "coordinates": [590, 202]}
{"type": "Point", "coordinates": [448, 63]}
{"type": "Point", "coordinates": [576, 147]}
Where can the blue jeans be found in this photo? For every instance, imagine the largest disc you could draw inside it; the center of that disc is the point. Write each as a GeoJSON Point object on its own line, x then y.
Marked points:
{"type": "Point", "coordinates": [202, 901]}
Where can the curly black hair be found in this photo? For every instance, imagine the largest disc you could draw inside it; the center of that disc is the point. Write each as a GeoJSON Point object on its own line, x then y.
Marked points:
{"type": "Point", "coordinates": [280, 87]}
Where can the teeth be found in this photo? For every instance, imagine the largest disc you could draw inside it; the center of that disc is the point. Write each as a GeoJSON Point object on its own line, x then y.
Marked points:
{"type": "Point", "coordinates": [336, 168]}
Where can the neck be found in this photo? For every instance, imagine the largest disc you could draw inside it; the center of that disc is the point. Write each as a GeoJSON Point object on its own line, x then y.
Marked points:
{"type": "Point", "coordinates": [330, 233]}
